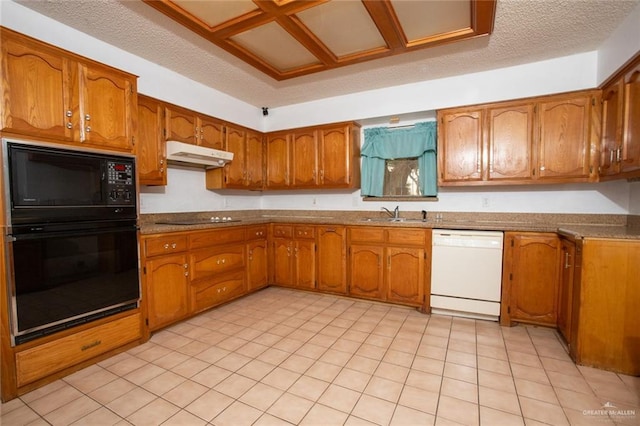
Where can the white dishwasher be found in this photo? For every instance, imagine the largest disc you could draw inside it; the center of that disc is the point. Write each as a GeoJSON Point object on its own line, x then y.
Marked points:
{"type": "Point", "coordinates": [466, 273]}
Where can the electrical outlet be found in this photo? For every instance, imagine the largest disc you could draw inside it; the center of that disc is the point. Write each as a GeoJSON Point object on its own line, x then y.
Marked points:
{"type": "Point", "coordinates": [314, 201]}
{"type": "Point", "coordinates": [485, 202]}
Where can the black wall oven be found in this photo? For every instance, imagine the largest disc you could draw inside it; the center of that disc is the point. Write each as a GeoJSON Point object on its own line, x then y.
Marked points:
{"type": "Point", "coordinates": [71, 239]}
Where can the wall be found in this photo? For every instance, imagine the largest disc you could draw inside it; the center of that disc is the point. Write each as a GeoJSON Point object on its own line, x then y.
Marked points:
{"type": "Point", "coordinates": [634, 198]}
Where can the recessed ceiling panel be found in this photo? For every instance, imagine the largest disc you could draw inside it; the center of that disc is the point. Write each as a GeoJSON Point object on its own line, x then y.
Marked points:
{"type": "Point", "coordinates": [345, 27]}
{"type": "Point", "coordinates": [292, 38]}
{"type": "Point", "coordinates": [276, 47]}
{"type": "Point", "coordinates": [216, 12]}
{"type": "Point", "coordinates": [423, 19]}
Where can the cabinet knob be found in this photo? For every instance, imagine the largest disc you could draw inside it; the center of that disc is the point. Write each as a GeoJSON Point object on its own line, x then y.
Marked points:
{"type": "Point", "coordinates": [88, 129]}
{"type": "Point", "coordinates": [173, 245]}
{"type": "Point", "coordinates": [542, 168]}
{"type": "Point", "coordinates": [87, 117]}
{"type": "Point", "coordinates": [69, 125]}
{"type": "Point", "coordinates": [68, 113]}
{"type": "Point", "coordinates": [166, 246]}
{"type": "Point", "coordinates": [186, 265]}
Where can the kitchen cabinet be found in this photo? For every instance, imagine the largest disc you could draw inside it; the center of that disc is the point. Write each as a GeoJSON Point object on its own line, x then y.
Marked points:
{"type": "Point", "coordinates": [605, 325]}
{"type": "Point", "coordinates": [165, 279]}
{"type": "Point", "coordinates": [620, 146]}
{"type": "Point", "coordinates": [184, 125]}
{"type": "Point", "coordinates": [294, 256]}
{"type": "Point", "coordinates": [530, 278]}
{"type": "Point", "coordinates": [53, 94]}
{"type": "Point", "coordinates": [245, 171]}
{"type": "Point", "coordinates": [257, 257]}
{"type": "Point", "coordinates": [150, 150]}
{"type": "Point", "coordinates": [568, 265]}
{"type": "Point", "coordinates": [332, 259]}
{"type": "Point", "coordinates": [550, 139]}
{"type": "Point", "coordinates": [314, 157]}
{"type": "Point", "coordinates": [390, 264]}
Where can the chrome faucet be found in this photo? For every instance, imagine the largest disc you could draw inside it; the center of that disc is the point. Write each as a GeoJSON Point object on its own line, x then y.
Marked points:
{"type": "Point", "coordinates": [395, 214]}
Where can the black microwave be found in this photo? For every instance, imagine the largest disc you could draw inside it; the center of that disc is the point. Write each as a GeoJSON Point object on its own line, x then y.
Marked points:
{"type": "Point", "coordinates": [49, 184]}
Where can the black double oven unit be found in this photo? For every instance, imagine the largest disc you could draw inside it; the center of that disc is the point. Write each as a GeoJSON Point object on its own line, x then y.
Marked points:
{"type": "Point", "coordinates": [71, 237]}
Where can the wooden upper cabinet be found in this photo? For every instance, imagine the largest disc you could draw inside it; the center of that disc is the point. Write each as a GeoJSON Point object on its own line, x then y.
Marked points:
{"type": "Point", "coordinates": [564, 144]}
{"type": "Point", "coordinates": [631, 130]}
{"type": "Point", "coordinates": [235, 171]}
{"type": "Point", "coordinates": [510, 139]}
{"type": "Point", "coordinates": [277, 160]}
{"type": "Point", "coordinates": [51, 93]}
{"type": "Point", "coordinates": [339, 156]}
{"type": "Point", "coordinates": [460, 145]}
{"type": "Point", "coordinates": [210, 132]}
{"type": "Point", "coordinates": [180, 124]}
{"type": "Point", "coordinates": [150, 150]}
{"type": "Point", "coordinates": [612, 115]}
{"type": "Point", "coordinates": [304, 158]}
{"type": "Point", "coordinates": [539, 140]}
{"type": "Point", "coordinates": [32, 72]}
{"type": "Point", "coordinates": [254, 160]}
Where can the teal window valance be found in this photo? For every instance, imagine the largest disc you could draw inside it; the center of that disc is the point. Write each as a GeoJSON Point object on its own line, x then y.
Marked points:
{"type": "Point", "coordinates": [383, 143]}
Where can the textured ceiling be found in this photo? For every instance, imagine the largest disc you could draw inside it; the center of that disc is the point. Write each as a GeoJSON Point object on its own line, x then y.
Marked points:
{"type": "Point", "coordinates": [524, 31]}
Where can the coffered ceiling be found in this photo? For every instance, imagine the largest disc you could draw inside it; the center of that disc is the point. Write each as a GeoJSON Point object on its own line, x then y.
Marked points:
{"type": "Point", "coordinates": [287, 39]}
{"type": "Point", "coordinates": [523, 31]}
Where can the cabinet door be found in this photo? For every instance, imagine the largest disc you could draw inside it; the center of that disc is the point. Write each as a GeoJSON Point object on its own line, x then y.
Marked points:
{"type": "Point", "coordinates": [167, 290]}
{"type": "Point", "coordinates": [365, 271]}
{"type": "Point", "coordinates": [612, 104]}
{"type": "Point", "coordinates": [254, 160]}
{"type": "Point", "coordinates": [565, 295]}
{"type": "Point", "coordinates": [304, 158]}
{"type": "Point", "coordinates": [631, 137]}
{"type": "Point", "coordinates": [31, 74]}
{"type": "Point", "coordinates": [210, 133]}
{"type": "Point", "coordinates": [283, 262]}
{"type": "Point", "coordinates": [277, 160]}
{"type": "Point", "coordinates": [564, 143]}
{"type": "Point", "coordinates": [235, 171]}
{"type": "Point", "coordinates": [510, 132]}
{"type": "Point", "coordinates": [257, 266]}
{"type": "Point", "coordinates": [180, 125]}
{"type": "Point", "coordinates": [335, 157]}
{"type": "Point", "coordinates": [304, 258]}
{"type": "Point", "coordinates": [534, 278]}
{"type": "Point", "coordinates": [107, 106]}
{"type": "Point", "coordinates": [460, 146]}
{"type": "Point", "coordinates": [150, 147]}
{"type": "Point", "coordinates": [332, 259]}
{"type": "Point", "coordinates": [405, 275]}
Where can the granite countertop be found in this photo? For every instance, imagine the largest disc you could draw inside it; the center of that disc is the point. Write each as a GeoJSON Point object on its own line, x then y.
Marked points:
{"type": "Point", "coordinates": [575, 226]}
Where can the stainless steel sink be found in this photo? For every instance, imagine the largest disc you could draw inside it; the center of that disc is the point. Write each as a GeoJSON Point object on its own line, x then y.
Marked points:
{"type": "Point", "coordinates": [389, 219]}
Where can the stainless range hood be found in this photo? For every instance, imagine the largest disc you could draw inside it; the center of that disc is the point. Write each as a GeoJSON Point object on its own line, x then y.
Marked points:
{"type": "Point", "coordinates": [185, 154]}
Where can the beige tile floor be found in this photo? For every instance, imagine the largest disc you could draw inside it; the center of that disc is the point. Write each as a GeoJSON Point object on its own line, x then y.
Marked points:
{"type": "Point", "coordinates": [282, 357]}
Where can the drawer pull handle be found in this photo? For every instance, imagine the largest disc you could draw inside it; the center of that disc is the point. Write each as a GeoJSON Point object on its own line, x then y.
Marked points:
{"type": "Point", "coordinates": [91, 345]}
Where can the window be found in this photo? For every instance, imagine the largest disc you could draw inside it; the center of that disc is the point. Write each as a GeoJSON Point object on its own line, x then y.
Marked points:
{"type": "Point", "coordinates": [400, 162]}
{"type": "Point", "coordinates": [402, 178]}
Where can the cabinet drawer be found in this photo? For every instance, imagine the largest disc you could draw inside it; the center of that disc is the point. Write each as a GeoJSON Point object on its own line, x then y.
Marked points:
{"type": "Point", "coordinates": [166, 244]}
{"type": "Point", "coordinates": [406, 237]}
{"type": "Point", "coordinates": [365, 234]}
{"type": "Point", "coordinates": [256, 232]}
{"type": "Point", "coordinates": [282, 231]}
{"type": "Point", "coordinates": [209, 262]}
{"type": "Point", "coordinates": [221, 289]}
{"type": "Point", "coordinates": [41, 361]}
{"type": "Point", "coordinates": [215, 237]}
{"type": "Point", "coordinates": [304, 232]}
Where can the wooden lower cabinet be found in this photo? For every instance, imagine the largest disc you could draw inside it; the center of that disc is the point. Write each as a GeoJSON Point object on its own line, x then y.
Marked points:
{"type": "Point", "coordinates": [332, 259]}
{"type": "Point", "coordinates": [390, 264]}
{"type": "Point", "coordinates": [568, 264]}
{"type": "Point", "coordinates": [530, 278]}
{"type": "Point", "coordinates": [605, 325]}
{"type": "Point", "coordinates": [294, 256]}
{"type": "Point", "coordinates": [257, 257]}
{"type": "Point", "coordinates": [166, 290]}
{"type": "Point", "coordinates": [43, 360]}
